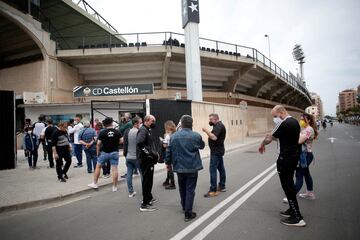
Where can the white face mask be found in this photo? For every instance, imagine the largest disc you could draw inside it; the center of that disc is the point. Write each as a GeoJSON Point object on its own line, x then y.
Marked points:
{"type": "Point", "coordinates": [29, 132]}
{"type": "Point", "coordinates": [277, 120]}
{"type": "Point", "coordinates": [75, 122]}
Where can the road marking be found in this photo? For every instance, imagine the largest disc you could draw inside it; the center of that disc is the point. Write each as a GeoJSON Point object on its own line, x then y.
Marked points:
{"type": "Point", "coordinates": [212, 211]}
{"type": "Point", "coordinates": [56, 205]}
{"type": "Point", "coordinates": [332, 139]}
{"type": "Point", "coordinates": [214, 224]}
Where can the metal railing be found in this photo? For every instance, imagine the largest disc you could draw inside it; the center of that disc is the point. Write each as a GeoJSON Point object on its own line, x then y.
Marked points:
{"type": "Point", "coordinates": [172, 39]}
{"type": "Point", "coordinates": [90, 10]}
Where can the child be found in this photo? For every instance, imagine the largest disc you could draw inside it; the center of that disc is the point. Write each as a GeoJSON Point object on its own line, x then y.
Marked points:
{"type": "Point", "coordinates": [31, 145]}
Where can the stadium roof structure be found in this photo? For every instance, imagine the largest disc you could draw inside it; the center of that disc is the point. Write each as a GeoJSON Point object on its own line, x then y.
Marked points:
{"type": "Point", "coordinates": [70, 22]}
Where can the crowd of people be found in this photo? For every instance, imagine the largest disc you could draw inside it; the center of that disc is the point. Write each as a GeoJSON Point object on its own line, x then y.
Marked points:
{"type": "Point", "coordinates": [179, 149]}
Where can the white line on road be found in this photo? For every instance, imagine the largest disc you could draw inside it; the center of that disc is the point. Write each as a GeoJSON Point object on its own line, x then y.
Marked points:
{"type": "Point", "coordinates": [212, 211]}
{"type": "Point", "coordinates": [55, 205]}
{"type": "Point", "coordinates": [214, 224]}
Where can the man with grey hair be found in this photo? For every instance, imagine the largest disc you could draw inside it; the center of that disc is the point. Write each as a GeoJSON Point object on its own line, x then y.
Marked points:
{"type": "Point", "coordinates": [183, 153]}
{"type": "Point", "coordinates": [87, 138]}
{"type": "Point", "coordinates": [217, 150]}
{"type": "Point", "coordinates": [126, 124]}
{"type": "Point", "coordinates": [287, 132]}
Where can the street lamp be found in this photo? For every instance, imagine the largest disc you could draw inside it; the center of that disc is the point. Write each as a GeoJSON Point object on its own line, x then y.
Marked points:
{"type": "Point", "coordinates": [268, 38]}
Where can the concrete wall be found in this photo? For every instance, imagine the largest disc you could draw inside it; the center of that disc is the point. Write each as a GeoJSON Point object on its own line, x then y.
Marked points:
{"type": "Point", "coordinates": [55, 78]}
{"type": "Point", "coordinates": [260, 121]}
{"type": "Point", "coordinates": [62, 79]}
{"type": "Point", "coordinates": [27, 77]}
{"type": "Point", "coordinates": [232, 117]}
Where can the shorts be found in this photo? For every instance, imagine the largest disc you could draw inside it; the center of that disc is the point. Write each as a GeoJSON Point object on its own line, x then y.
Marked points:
{"type": "Point", "coordinates": [113, 157]}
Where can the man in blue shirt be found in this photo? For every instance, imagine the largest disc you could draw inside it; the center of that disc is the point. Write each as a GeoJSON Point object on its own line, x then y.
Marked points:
{"type": "Point", "coordinates": [87, 137]}
{"type": "Point", "coordinates": [183, 153]}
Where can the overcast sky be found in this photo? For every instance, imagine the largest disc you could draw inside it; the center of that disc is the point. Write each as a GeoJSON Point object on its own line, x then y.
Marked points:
{"type": "Point", "coordinates": [328, 30]}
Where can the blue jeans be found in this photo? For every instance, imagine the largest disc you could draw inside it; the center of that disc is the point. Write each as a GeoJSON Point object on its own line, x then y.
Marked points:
{"type": "Point", "coordinates": [217, 164]}
{"type": "Point", "coordinates": [187, 184]}
{"type": "Point", "coordinates": [91, 159]}
{"type": "Point", "coordinates": [72, 149]}
{"type": "Point", "coordinates": [302, 173]}
{"type": "Point", "coordinates": [131, 165]}
{"type": "Point", "coordinates": [78, 153]}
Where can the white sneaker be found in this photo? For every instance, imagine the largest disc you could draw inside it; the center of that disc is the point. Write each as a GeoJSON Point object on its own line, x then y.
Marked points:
{"type": "Point", "coordinates": [132, 194]}
{"type": "Point", "coordinates": [285, 200]}
{"type": "Point", "coordinates": [307, 195]}
{"type": "Point", "coordinates": [114, 189]}
{"type": "Point", "coordinates": [93, 185]}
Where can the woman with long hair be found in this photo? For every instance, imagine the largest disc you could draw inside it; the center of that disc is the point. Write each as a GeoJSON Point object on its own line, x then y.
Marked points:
{"type": "Point", "coordinates": [308, 134]}
{"type": "Point", "coordinates": [170, 128]}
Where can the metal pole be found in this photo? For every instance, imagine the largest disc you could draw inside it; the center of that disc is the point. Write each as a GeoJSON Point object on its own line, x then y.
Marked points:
{"type": "Point", "coordinates": [92, 114]}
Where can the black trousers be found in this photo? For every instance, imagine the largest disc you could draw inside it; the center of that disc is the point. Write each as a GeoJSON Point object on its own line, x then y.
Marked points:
{"type": "Point", "coordinates": [286, 166]}
{"type": "Point", "coordinates": [147, 171]}
{"type": "Point", "coordinates": [106, 168]}
{"type": "Point", "coordinates": [170, 175]}
{"type": "Point", "coordinates": [50, 155]}
{"type": "Point", "coordinates": [187, 184]}
{"type": "Point", "coordinates": [32, 158]}
{"type": "Point", "coordinates": [64, 154]}
{"type": "Point", "coordinates": [44, 148]}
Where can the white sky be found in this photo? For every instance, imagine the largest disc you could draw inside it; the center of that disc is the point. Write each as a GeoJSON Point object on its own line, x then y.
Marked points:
{"type": "Point", "coordinates": [327, 29]}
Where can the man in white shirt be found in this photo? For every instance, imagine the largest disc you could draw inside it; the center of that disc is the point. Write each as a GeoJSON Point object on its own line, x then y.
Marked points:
{"type": "Point", "coordinates": [77, 146]}
{"type": "Point", "coordinates": [37, 129]}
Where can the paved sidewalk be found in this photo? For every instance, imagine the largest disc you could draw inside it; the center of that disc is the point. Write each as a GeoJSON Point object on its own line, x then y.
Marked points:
{"type": "Point", "coordinates": [22, 188]}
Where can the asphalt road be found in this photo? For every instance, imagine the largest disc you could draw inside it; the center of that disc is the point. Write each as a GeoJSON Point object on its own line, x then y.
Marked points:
{"type": "Point", "coordinates": [248, 210]}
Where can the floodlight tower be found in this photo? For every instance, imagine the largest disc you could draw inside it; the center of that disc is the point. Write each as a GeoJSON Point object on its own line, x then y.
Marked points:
{"type": "Point", "coordinates": [299, 56]}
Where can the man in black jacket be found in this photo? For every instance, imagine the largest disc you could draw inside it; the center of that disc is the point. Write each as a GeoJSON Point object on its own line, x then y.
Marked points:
{"type": "Point", "coordinates": [148, 156]}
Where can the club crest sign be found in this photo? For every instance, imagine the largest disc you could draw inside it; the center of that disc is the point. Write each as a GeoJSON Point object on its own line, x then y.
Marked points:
{"type": "Point", "coordinates": [190, 11]}
{"type": "Point", "coordinates": [114, 90]}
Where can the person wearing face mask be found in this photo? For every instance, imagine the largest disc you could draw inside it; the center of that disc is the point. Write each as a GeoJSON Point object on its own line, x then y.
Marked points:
{"type": "Point", "coordinates": [217, 151]}
{"type": "Point", "coordinates": [308, 134]}
{"type": "Point", "coordinates": [287, 132]}
{"type": "Point", "coordinates": [61, 148]}
{"type": "Point", "coordinates": [146, 152]}
{"type": "Point", "coordinates": [31, 147]}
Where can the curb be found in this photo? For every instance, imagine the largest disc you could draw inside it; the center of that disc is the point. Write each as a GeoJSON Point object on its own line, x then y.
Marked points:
{"type": "Point", "coordinates": [36, 203]}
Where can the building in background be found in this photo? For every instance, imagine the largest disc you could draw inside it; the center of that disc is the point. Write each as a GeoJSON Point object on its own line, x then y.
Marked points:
{"type": "Point", "coordinates": [348, 99]}
{"type": "Point", "coordinates": [337, 108]}
{"type": "Point", "coordinates": [317, 102]}
{"type": "Point", "coordinates": [313, 110]}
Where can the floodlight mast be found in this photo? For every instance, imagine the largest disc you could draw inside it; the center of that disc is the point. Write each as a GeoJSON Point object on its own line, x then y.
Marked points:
{"type": "Point", "coordinates": [299, 56]}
